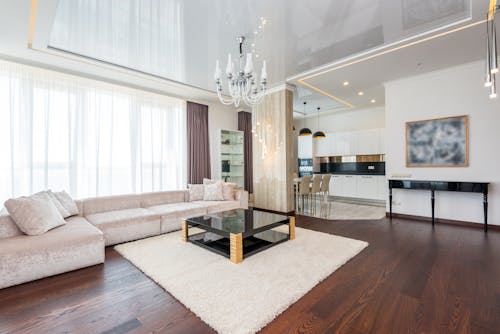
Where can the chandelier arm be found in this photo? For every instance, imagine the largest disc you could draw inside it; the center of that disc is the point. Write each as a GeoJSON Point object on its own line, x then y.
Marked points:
{"type": "Point", "coordinates": [223, 100]}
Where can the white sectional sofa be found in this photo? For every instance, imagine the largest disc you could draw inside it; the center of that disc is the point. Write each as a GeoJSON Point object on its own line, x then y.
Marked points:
{"type": "Point", "coordinates": [102, 221]}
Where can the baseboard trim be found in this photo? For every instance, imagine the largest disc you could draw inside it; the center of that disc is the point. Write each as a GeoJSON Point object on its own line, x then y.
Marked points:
{"type": "Point", "coordinates": [443, 221]}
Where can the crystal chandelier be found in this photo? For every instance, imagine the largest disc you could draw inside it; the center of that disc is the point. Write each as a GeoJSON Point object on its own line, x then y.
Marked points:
{"type": "Point", "coordinates": [242, 85]}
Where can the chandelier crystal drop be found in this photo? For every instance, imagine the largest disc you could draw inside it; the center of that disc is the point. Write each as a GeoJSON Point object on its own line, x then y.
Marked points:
{"type": "Point", "coordinates": [491, 59]}
{"type": "Point", "coordinates": [242, 82]}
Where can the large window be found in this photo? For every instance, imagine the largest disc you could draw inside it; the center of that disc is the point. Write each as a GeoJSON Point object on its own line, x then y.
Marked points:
{"type": "Point", "coordinates": [87, 137]}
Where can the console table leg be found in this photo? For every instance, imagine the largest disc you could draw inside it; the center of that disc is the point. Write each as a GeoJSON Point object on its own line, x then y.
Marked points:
{"type": "Point", "coordinates": [485, 208]}
{"type": "Point", "coordinates": [433, 200]}
{"type": "Point", "coordinates": [390, 202]}
{"type": "Point", "coordinates": [236, 247]}
{"type": "Point", "coordinates": [291, 228]}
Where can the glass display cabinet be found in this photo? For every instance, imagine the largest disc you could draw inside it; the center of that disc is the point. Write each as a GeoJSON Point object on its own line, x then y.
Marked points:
{"type": "Point", "coordinates": [232, 159]}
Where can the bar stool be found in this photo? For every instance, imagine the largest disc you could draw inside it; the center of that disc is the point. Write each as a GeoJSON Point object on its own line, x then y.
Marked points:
{"type": "Point", "coordinates": [304, 189]}
{"type": "Point", "coordinates": [316, 187]}
{"type": "Point", "coordinates": [325, 184]}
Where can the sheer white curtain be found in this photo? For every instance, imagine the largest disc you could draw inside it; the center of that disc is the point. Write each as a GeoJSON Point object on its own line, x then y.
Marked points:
{"type": "Point", "coordinates": [139, 34]}
{"type": "Point", "coordinates": [90, 138]}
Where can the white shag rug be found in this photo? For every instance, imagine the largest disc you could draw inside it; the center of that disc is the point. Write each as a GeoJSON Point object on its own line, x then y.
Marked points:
{"type": "Point", "coordinates": [240, 298]}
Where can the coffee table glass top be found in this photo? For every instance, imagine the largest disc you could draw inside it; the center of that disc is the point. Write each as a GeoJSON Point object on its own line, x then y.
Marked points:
{"type": "Point", "coordinates": [246, 222]}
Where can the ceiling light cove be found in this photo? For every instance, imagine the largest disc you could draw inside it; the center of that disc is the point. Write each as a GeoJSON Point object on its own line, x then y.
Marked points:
{"type": "Point", "coordinates": [384, 50]}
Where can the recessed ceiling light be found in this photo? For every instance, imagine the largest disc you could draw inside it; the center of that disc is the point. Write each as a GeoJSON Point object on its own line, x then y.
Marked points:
{"type": "Point", "coordinates": [264, 21]}
{"type": "Point", "coordinates": [373, 101]}
{"type": "Point", "coordinates": [361, 93]}
{"type": "Point", "coordinates": [346, 83]}
{"type": "Point", "coordinates": [255, 32]}
{"type": "Point", "coordinates": [260, 27]}
{"type": "Point", "coordinates": [257, 55]}
{"type": "Point", "coordinates": [253, 45]}
{"type": "Point", "coordinates": [262, 18]}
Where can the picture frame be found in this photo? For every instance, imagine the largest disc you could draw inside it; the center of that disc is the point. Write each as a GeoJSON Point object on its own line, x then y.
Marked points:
{"type": "Point", "coordinates": [438, 142]}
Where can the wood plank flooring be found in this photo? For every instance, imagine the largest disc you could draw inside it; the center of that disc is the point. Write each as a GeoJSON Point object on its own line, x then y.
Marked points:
{"type": "Point", "coordinates": [410, 279]}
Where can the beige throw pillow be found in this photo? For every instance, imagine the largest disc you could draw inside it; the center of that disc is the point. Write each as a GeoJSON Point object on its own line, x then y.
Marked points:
{"type": "Point", "coordinates": [228, 190]}
{"type": "Point", "coordinates": [67, 202]}
{"type": "Point", "coordinates": [34, 215]}
{"type": "Point", "coordinates": [50, 196]}
{"type": "Point", "coordinates": [196, 192]}
{"type": "Point", "coordinates": [213, 192]}
{"type": "Point", "coordinates": [208, 181]}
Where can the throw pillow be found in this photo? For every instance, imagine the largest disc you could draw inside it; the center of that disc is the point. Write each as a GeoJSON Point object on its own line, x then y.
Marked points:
{"type": "Point", "coordinates": [213, 192]}
{"type": "Point", "coordinates": [208, 181]}
{"type": "Point", "coordinates": [50, 195]}
{"type": "Point", "coordinates": [228, 190]}
{"type": "Point", "coordinates": [67, 202]}
{"type": "Point", "coordinates": [34, 215]}
{"type": "Point", "coordinates": [196, 192]}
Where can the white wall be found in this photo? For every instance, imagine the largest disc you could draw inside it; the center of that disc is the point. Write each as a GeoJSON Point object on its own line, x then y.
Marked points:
{"type": "Point", "coordinates": [451, 92]}
{"type": "Point", "coordinates": [349, 120]}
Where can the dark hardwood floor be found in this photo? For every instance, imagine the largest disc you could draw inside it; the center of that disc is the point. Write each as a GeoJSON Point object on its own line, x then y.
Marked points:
{"type": "Point", "coordinates": [410, 279]}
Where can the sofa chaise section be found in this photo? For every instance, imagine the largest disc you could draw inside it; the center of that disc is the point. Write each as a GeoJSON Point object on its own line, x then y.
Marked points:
{"type": "Point", "coordinates": [121, 218]}
{"type": "Point", "coordinates": [24, 258]}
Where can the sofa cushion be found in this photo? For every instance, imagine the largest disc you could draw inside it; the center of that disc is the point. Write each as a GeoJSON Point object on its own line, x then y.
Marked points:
{"type": "Point", "coordinates": [110, 203]}
{"type": "Point", "coordinates": [67, 203]}
{"type": "Point", "coordinates": [8, 228]}
{"type": "Point", "coordinates": [196, 192]}
{"type": "Point", "coordinates": [213, 192]}
{"type": "Point", "coordinates": [118, 217]}
{"type": "Point", "coordinates": [34, 215]}
{"type": "Point", "coordinates": [74, 245]}
{"type": "Point", "coordinates": [218, 206]}
{"type": "Point", "coordinates": [228, 189]}
{"type": "Point", "coordinates": [125, 225]}
{"type": "Point", "coordinates": [163, 197]}
{"type": "Point", "coordinates": [180, 210]}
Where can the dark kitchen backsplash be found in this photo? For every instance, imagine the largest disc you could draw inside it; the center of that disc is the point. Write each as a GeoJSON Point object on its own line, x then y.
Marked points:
{"type": "Point", "coordinates": [353, 168]}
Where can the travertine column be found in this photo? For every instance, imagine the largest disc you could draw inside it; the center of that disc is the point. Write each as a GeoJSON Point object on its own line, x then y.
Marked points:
{"type": "Point", "coordinates": [272, 170]}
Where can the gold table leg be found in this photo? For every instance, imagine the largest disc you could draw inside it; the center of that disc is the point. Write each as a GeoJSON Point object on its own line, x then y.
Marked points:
{"type": "Point", "coordinates": [236, 247]}
{"type": "Point", "coordinates": [291, 228]}
{"type": "Point", "coordinates": [184, 231]}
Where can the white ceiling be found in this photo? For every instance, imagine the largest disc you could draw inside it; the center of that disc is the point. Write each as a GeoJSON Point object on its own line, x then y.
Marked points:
{"type": "Point", "coordinates": [300, 38]}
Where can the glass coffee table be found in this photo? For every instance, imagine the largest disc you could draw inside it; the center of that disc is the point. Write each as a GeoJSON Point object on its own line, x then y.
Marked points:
{"type": "Point", "coordinates": [240, 233]}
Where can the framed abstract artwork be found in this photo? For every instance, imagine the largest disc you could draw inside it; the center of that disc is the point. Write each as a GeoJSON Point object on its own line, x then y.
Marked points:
{"type": "Point", "coordinates": [441, 142]}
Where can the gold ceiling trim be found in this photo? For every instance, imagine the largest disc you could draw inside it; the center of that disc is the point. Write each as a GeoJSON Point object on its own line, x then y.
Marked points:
{"type": "Point", "coordinates": [492, 9]}
{"type": "Point", "coordinates": [303, 82]}
{"type": "Point", "coordinates": [32, 22]}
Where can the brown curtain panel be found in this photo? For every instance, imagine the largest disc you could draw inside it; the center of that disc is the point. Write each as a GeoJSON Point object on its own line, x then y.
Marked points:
{"type": "Point", "coordinates": [198, 150]}
{"type": "Point", "coordinates": [245, 125]}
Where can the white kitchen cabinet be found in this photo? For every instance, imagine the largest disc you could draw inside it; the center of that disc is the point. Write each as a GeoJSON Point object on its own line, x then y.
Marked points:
{"type": "Point", "coordinates": [382, 187]}
{"type": "Point", "coordinates": [322, 146]}
{"type": "Point", "coordinates": [368, 142]}
{"type": "Point", "coordinates": [382, 141]}
{"type": "Point", "coordinates": [367, 186]}
{"type": "Point", "coordinates": [336, 185]}
{"type": "Point", "coordinates": [349, 186]}
{"type": "Point", "coordinates": [305, 147]}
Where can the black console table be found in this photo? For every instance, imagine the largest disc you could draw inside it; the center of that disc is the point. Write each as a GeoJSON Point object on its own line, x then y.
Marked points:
{"type": "Point", "coordinates": [433, 186]}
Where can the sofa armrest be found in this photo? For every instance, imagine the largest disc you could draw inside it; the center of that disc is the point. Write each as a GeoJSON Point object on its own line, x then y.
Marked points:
{"type": "Point", "coordinates": [242, 197]}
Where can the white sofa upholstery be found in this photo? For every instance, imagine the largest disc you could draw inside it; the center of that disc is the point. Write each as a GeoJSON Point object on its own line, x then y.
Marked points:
{"type": "Point", "coordinates": [74, 245]}
{"type": "Point", "coordinates": [102, 221]}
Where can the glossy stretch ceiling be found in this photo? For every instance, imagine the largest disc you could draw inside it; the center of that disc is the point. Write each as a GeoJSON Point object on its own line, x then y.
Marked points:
{"type": "Point", "coordinates": [181, 39]}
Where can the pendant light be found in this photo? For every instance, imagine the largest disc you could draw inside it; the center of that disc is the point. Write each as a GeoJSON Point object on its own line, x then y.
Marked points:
{"type": "Point", "coordinates": [319, 134]}
{"type": "Point", "coordinates": [305, 131]}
